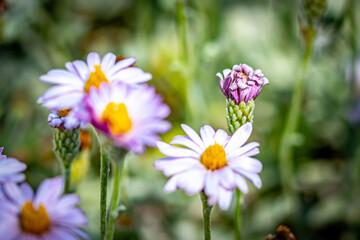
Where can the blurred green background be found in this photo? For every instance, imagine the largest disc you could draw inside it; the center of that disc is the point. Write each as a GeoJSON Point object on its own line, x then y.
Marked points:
{"type": "Point", "coordinates": [184, 44]}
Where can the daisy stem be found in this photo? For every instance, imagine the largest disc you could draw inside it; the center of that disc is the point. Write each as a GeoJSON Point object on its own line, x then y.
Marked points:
{"type": "Point", "coordinates": [118, 167]}
{"type": "Point", "coordinates": [67, 176]}
{"type": "Point", "coordinates": [104, 172]}
{"type": "Point", "coordinates": [238, 215]}
{"type": "Point", "coordinates": [206, 216]}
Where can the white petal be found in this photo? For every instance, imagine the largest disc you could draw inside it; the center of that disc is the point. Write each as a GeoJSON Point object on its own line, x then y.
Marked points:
{"type": "Point", "coordinates": [241, 183]}
{"type": "Point", "coordinates": [192, 181]}
{"type": "Point", "coordinates": [246, 163]}
{"type": "Point", "coordinates": [227, 179]}
{"type": "Point", "coordinates": [221, 137]}
{"type": "Point", "coordinates": [63, 102]}
{"type": "Point", "coordinates": [207, 135]}
{"type": "Point", "coordinates": [173, 151]}
{"type": "Point", "coordinates": [253, 177]}
{"type": "Point", "coordinates": [60, 76]}
{"type": "Point", "coordinates": [92, 60]}
{"type": "Point", "coordinates": [171, 185]}
{"type": "Point", "coordinates": [212, 183]}
{"type": "Point", "coordinates": [187, 142]}
{"type": "Point", "coordinates": [193, 136]}
{"type": "Point", "coordinates": [171, 166]}
{"type": "Point", "coordinates": [121, 65]}
{"type": "Point", "coordinates": [60, 90]}
{"type": "Point", "coordinates": [107, 62]}
{"type": "Point", "coordinates": [249, 149]}
{"type": "Point", "coordinates": [239, 137]}
{"type": "Point", "coordinates": [131, 75]}
{"type": "Point", "coordinates": [225, 198]}
{"type": "Point", "coordinates": [213, 199]}
{"type": "Point", "coordinates": [79, 68]}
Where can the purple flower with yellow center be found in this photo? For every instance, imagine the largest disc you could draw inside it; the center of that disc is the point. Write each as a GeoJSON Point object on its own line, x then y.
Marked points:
{"type": "Point", "coordinates": [60, 119]}
{"type": "Point", "coordinates": [11, 169]}
{"type": "Point", "coordinates": [242, 83]}
{"type": "Point", "coordinates": [132, 116]}
{"type": "Point", "coordinates": [72, 84]}
{"type": "Point", "coordinates": [46, 215]}
{"type": "Point", "coordinates": [213, 162]}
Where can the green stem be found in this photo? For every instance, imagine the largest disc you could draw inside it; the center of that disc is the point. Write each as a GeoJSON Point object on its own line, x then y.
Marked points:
{"type": "Point", "coordinates": [286, 142]}
{"type": "Point", "coordinates": [238, 215]}
{"type": "Point", "coordinates": [104, 173]}
{"type": "Point", "coordinates": [118, 167]}
{"type": "Point", "coordinates": [67, 176]}
{"type": "Point", "coordinates": [206, 216]}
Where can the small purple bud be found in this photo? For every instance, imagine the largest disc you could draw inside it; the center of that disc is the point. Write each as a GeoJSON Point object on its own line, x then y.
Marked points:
{"type": "Point", "coordinates": [242, 83]}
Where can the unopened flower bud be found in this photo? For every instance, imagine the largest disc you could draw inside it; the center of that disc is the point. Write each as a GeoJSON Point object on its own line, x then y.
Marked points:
{"type": "Point", "coordinates": [242, 83]}
{"type": "Point", "coordinates": [66, 144]}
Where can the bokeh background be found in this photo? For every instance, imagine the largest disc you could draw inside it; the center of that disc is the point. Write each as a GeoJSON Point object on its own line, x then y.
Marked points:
{"type": "Point", "coordinates": [184, 44]}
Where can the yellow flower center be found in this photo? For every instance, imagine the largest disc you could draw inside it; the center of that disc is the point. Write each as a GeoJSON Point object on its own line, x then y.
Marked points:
{"type": "Point", "coordinates": [214, 157]}
{"type": "Point", "coordinates": [117, 117]}
{"type": "Point", "coordinates": [34, 221]}
{"type": "Point", "coordinates": [95, 79]}
{"type": "Point", "coordinates": [64, 112]}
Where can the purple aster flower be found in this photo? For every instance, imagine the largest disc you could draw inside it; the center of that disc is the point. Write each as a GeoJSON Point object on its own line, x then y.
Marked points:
{"type": "Point", "coordinates": [242, 83]}
{"type": "Point", "coordinates": [214, 162]}
{"type": "Point", "coordinates": [132, 116]}
{"type": "Point", "coordinates": [60, 119]}
{"type": "Point", "coordinates": [72, 84]}
{"type": "Point", "coordinates": [46, 215]}
{"type": "Point", "coordinates": [11, 169]}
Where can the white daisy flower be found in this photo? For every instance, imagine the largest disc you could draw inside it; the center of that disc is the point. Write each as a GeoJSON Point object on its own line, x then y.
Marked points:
{"type": "Point", "coordinates": [214, 162]}
{"type": "Point", "coordinates": [72, 84]}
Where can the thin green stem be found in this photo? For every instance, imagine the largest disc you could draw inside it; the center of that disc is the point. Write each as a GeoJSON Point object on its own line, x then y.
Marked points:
{"type": "Point", "coordinates": [238, 215]}
{"type": "Point", "coordinates": [118, 167]}
{"type": "Point", "coordinates": [104, 173]}
{"type": "Point", "coordinates": [286, 143]}
{"type": "Point", "coordinates": [206, 216]}
{"type": "Point", "coordinates": [67, 176]}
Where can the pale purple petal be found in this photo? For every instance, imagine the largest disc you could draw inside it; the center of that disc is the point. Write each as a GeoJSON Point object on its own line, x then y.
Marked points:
{"type": "Point", "coordinates": [48, 191]}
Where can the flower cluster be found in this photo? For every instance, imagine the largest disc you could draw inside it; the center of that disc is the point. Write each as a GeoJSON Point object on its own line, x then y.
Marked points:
{"type": "Point", "coordinates": [242, 83]}
{"type": "Point", "coordinates": [46, 215]}
{"type": "Point", "coordinates": [213, 162]}
{"type": "Point", "coordinates": [106, 93]}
